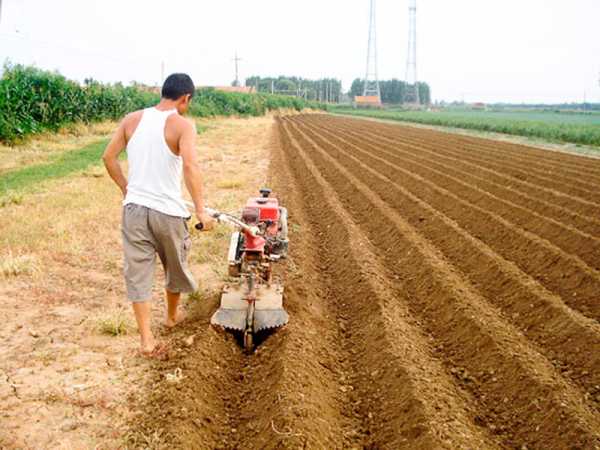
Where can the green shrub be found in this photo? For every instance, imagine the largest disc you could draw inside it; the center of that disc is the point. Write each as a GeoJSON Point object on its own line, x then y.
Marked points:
{"type": "Point", "coordinates": [34, 100]}
{"type": "Point", "coordinates": [210, 102]}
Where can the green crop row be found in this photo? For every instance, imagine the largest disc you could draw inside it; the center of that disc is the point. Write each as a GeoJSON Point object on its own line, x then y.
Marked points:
{"type": "Point", "coordinates": [549, 128]}
{"type": "Point", "coordinates": [34, 100]}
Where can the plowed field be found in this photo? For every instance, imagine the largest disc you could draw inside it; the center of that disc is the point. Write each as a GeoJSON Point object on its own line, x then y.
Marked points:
{"type": "Point", "coordinates": [444, 292]}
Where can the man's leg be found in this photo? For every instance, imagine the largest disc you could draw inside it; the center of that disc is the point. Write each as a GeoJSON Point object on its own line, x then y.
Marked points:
{"type": "Point", "coordinates": [142, 316]}
{"type": "Point", "coordinates": [174, 314]}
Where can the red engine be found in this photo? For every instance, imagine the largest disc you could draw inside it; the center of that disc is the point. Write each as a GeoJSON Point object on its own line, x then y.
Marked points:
{"type": "Point", "coordinates": [263, 212]}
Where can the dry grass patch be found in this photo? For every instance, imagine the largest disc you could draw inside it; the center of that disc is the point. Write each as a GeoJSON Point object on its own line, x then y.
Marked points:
{"type": "Point", "coordinates": [14, 265]}
{"type": "Point", "coordinates": [230, 184]}
{"type": "Point", "coordinates": [11, 198]}
{"type": "Point", "coordinates": [115, 323]}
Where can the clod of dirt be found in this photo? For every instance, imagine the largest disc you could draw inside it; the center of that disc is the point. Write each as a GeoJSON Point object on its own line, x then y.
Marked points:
{"type": "Point", "coordinates": [174, 377]}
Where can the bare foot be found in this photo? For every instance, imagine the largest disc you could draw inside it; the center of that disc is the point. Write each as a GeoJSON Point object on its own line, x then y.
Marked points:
{"type": "Point", "coordinates": [157, 351]}
{"type": "Point", "coordinates": [180, 317]}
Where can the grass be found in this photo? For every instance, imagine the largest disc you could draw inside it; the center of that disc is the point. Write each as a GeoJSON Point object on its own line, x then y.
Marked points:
{"type": "Point", "coordinates": [15, 265]}
{"type": "Point", "coordinates": [45, 147]}
{"type": "Point", "coordinates": [64, 164]}
{"type": "Point", "coordinates": [230, 184]}
{"type": "Point", "coordinates": [11, 198]}
{"type": "Point", "coordinates": [114, 323]}
{"type": "Point", "coordinates": [573, 128]}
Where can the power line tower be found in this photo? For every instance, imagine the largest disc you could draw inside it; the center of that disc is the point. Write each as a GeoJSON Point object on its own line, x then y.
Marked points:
{"type": "Point", "coordinates": [411, 94]}
{"type": "Point", "coordinates": [237, 78]}
{"type": "Point", "coordinates": [371, 87]}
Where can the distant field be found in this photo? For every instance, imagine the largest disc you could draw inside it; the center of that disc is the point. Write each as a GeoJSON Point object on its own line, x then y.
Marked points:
{"type": "Point", "coordinates": [562, 127]}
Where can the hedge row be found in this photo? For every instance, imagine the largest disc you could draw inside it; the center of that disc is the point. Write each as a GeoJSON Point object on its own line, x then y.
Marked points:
{"type": "Point", "coordinates": [210, 102]}
{"type": "Point", "coordinates": [34, 100]}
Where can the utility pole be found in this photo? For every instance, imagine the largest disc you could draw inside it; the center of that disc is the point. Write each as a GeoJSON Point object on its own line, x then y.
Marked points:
{"type": "Point", "coordinates": [371, 87]}
{"type": "Point", "coordinates": [162, 71]}
{"type": "Point", "coordinates": [411, 94]}
{"type": "Point", "coordinates": [0, 11]}
{"type": "Point", "coordinates": [237, 78]}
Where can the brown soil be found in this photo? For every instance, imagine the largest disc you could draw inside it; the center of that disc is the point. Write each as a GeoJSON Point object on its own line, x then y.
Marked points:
{"type": "Point", "coordinates": [443, 293]}
{"type": "Point", "coordinates": [63, 382]}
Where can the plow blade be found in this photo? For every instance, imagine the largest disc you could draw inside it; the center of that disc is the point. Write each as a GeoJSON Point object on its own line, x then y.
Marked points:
{"type": "Point", "coordinates": [267, 312]}
{"type": "Point", "coordinates": [273, 318]}
{"type": "Point", "coordinates": [233, 313]}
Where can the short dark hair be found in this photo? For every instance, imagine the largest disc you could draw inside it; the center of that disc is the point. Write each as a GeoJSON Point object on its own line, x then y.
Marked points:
{"type": "Point", "coordinates": [176, 85]}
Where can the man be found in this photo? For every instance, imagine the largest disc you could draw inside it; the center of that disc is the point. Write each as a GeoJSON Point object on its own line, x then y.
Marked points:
{"type": "Point", "coordinates": [161, 147]}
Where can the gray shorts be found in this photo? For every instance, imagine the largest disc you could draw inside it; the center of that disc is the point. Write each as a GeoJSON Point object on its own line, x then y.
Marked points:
{"type": "Point", "coordinates": [147, 232]}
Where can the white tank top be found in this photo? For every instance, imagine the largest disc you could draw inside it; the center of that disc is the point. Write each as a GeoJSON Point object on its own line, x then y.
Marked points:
{"type": "Point", "coordinates": [155, 172]}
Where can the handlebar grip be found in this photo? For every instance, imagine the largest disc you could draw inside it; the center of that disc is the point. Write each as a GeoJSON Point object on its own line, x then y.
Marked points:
{"type": "Point", "coordinates": [199, 226]}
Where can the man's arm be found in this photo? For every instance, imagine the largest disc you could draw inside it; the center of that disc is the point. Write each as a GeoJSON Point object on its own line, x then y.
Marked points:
{"type": "Point", "coordinates": [111, 154]}
{"type": "Point", "coordinates": [192, 173]}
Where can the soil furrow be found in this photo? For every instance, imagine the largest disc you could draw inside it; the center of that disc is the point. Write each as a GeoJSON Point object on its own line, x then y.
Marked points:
{"type": "Point", "coordinates": [392, 355]}
{"type": "Point", "coordinates": [567, 238]}
{"type": "Point", "coordinates": [585, 225]}
{"type": "Point", "coordinates": [576, 166]}
{"type": "Point", "coordinates": [562, 273]}
{"type": "Point", "coordinates": [564, 196]}
{"type": "Point", "coordinates": [523, 391]}
{"type": "Point", "coordinates": [286, 395]}
{"type": "Point", "coordinates": [575, 182]}
{"type": "Point", "coordinates": [553, 180]}
{"type": "Point", "coordinates": [573, 165]}
{"type": "Point", "coordinates": [505, 285]}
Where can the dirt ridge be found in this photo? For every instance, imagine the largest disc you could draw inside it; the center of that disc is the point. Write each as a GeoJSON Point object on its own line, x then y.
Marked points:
{"type": "Point", "coordinates": [575, 165]}
{"type": "Point", "coordinates": [503, 239]}
{"type": "Point", "coordinates": [511, 287]}
{"type": "Point", "coordinates": [470, 321]}
{"type": "Point", "coordinates": [442, 419]}
{"type": "Point", "coordinates": [553, 190]}
{"type": "Point", "coordinates": [584, 225]}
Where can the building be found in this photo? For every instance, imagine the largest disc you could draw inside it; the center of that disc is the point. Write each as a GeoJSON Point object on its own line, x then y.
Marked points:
{"type": "Point", "coordinates": [242, 89]}
{"type": "Point", "coordinates": [367, 100]}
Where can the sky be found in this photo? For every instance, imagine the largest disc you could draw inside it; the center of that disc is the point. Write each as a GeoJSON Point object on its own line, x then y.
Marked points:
{"type": "Point", "coordinates": [517, 51]}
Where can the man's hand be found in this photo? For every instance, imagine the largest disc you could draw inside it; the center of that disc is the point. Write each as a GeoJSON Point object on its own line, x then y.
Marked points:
{"type": "Point", "coordinates": [208, 222]}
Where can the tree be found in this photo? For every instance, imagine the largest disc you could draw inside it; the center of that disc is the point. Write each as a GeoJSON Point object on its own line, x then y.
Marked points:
{"type": "Point", "coordinates": [392, 91]}
{"type": "Point", "coordinates": [324, 89]}
{"type": "Point", "coordinates": [357, 88]}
